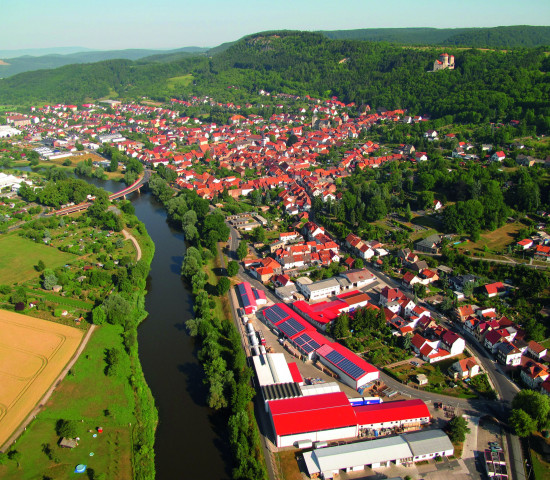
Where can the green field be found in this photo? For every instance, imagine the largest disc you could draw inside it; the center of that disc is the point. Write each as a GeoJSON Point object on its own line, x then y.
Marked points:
{"type": "Point", "coordinates": [86, 395]}
{"type": "Point", "coordinates": [20, 255]}
{"type": "Point", "coordinates": [181, 81]}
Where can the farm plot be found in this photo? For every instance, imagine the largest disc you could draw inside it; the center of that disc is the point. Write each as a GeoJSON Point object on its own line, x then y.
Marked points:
{"type": "Point", "coordinates": [33, 353]}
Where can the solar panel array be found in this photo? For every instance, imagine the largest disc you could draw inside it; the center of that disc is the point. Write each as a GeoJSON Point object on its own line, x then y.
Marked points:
{"type": "Point", "coordinates": [275, 314]}
{"type": "Point", "coordinates": [291, 327]}
{"type": "Point", "coordinates": [307, 344]}
{"type": "Point", "coordinates": [244, 297]}
{"type": "Point", "coordinates": [344, 364]}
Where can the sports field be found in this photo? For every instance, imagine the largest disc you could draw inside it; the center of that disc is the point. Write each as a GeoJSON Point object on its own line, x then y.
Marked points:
{"type": "Point", "coordinates": [33, 353]}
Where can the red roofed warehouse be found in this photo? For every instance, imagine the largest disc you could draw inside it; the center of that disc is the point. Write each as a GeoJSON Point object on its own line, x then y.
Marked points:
{"type": "Point", "coordinates": [351, 368]}
{"type": "Point", "coordinates": [247, 298]}
{"type": "Point", "coordinates": [314, 418]}
{"type": "Point", "coordinates": [406, 413]}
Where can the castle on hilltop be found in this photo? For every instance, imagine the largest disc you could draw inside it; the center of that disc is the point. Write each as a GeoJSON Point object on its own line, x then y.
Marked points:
{"type": "Point", "coordinates": [444, 61]}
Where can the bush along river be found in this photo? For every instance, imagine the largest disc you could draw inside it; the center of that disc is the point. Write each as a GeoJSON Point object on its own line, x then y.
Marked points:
{"type": "Point", "coordinates": [187, 441]}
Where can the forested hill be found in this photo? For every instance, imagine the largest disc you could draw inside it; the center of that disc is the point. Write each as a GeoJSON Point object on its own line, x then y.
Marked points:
{"type": "Point", "coordinates": [496, 37]}
{"type": "Point", "coordinates": [25, 63]}
{"type": "Point", "coordinates": [485, 85]}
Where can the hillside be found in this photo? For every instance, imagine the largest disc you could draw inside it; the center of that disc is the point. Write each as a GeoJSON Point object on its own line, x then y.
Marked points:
{"type": "Point", "coordinates": [517, 36]}
{"type": "Point", "coordinates": [26, 63]}
{"type": "Point", "coordinates": [485, 86]}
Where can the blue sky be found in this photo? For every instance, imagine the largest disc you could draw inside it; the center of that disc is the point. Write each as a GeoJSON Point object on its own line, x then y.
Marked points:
{"type": "Point", "coordinates": [117, 24]}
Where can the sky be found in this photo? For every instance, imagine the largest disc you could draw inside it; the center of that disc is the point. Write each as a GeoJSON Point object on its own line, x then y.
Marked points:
{"type": "Point", "coordinates": [167, 24]}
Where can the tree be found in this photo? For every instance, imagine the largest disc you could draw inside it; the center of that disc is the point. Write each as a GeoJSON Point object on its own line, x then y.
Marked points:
{"type": "Point", "coordinates": [117, 309]}
{"type": "Point", "coordinates": [522, 423]}
{"type": "Point", "coordinates": [223, 286]}
{"type": "Point", "coordinates": [50, 279]}
{"type": "Point", "coordinates": [258, 234]}
{"type": "Point", "coordinates": [40, 266]}
{"type": "Point", "coordinates": [535, 404]}
{"type": "Point", "coordinates": [242, 250]}
{"type": "Point", "coordinates": [113, 167]}
{"type": "Point", "coordinates": [66, 428]}
{"type": "Point", "coordinates": [340, 327]}
{"type": "Point", "coordinates": [408, 214]}
{"type": "Point", "coordinates": [98, 315]}
{"type": "Point", "coordinates": [457, 428]}
{"type": "Point", "coordinates": [232, 268]}
{"type": "Point", "coordinates": [358, 263]}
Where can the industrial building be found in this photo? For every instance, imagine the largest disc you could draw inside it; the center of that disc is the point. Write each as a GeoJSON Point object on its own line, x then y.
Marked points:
{"type": "Point", "coordinates": [402, 414]}
{"type": "Point", "coordinates": [351, 368]}
{"type": "Point", "coordinates": [324, 415]}
{"type": "Point", "coordinates": [404, 449]}
{"type": "Point", "coordinates": [314, 418]}
{"type": "Point", "coordinates": [246, 297]}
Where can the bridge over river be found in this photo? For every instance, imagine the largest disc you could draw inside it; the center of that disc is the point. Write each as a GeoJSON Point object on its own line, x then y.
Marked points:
{"type": "Point", "coordinates": [136, 186]}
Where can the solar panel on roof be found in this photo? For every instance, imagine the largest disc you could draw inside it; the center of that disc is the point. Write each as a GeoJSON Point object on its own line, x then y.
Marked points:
{"type": "Point", "coordinates": [271, 316]}
{"type": "Point", "coordinates": [295, 325]}
{"type": "Point", "coordinates": [306, 337]}
{"type": "Point", "coordinates": [307, 348]}
{"type": "Point", "coordinates": [350, 368]}
{"type": "Point", "coordinates": [279, 312]}
{"type": "Point", "coordinates": [300, 340]}
{"type": "Point", "coordinates": [287, 328]}
{"type": "Point", "coordinates": [335, 357]}
{"type": "Point", "coordinates": [314, 345]}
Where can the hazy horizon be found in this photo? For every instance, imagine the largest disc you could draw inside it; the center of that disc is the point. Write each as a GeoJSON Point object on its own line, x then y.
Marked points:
{"type": "Point", "coordinates": [173, 24]}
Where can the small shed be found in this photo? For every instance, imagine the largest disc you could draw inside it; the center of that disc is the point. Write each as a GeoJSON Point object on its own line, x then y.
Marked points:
{"type": "Point", "coordinates": [68, 442]}
{"type": "Point", "coordinates": [422, 379]}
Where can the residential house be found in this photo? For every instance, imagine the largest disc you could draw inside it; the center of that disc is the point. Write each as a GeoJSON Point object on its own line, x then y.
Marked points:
{"type": "Point", "coordinates": [495, 289]}
{"type": "Point", "coordinates": [508, 354]}
{"type": "Point", "coordinates": [465, 368]}
{"type": "Point", "coordinates": [533, 374]}
{"type": "Point", "coordinates": [536, 351]}
{"type": "Point", "coordinates": [429, 244]}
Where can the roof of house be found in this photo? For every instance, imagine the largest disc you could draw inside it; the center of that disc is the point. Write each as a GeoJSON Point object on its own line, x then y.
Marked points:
{"type": "Point", "coordinates": [311, 413]}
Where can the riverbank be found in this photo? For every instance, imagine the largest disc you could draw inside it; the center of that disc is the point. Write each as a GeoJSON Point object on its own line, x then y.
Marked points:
{"type": "Point", "coordinates": [95, 395]}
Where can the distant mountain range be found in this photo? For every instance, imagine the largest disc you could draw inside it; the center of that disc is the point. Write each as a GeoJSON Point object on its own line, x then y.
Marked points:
{"type": "Point", "coordinates": [13, 62]}
{"type": "Point", "coordinates": [11, 65]}
{"type": "Point", "coordinates": [495, 37]}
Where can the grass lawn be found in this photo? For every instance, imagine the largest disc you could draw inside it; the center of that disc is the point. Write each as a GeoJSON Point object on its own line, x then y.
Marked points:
{"type": "Point", "coordinates": [20, 255]}
{"type": "Point", "coordinates": [288, 465]}
{"type": "Point", "coordinates": [181, 81]}
{"type": "Point", "coordinates": [496, 240]}
{"type": "Point", "coordinates": [540, 467]}
{"type": "Point", "coordinates": [92, 399]}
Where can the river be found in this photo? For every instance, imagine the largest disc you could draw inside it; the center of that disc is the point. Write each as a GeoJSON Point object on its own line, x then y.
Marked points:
{"type": "Point", "coordinates": [187, 443]}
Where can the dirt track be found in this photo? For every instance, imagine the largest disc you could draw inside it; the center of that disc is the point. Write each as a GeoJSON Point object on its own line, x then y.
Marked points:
{"type": "Point", "coordinates": [35, 355]}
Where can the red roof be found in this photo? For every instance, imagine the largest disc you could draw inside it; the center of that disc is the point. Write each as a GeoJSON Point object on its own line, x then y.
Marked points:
{"type": "Point", "coordinates": [347, 354]}
{"type": "Point", "coordinates": [312, 413]}
{"type": "Point", "coordinates": [391, 412]}
{"type": "Point", "coordinates": [296, 375]}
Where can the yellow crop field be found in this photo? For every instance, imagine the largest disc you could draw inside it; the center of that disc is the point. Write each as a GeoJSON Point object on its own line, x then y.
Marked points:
{"type": "Point", "coordinates": [33, 352]}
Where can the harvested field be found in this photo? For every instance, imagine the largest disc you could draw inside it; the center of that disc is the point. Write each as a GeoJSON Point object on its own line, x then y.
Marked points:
{"type": "Point", "coordinates": [33, 353]}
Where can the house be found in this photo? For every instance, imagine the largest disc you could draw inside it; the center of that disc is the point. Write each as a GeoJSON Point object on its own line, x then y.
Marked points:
{"type": "Point", "coordinates": [525, 244]}
{"type": "Point", "coordinates": [533, 374]}
{"type": "Point", "coordinates": [460, 281]}
{"type": "Point", "coordinates": [536, 350]}
{"type": "Point", "coordinates": [542, 252]}
{"type": "Point", "coordinates": [508, 354]}
{"type": "Point", "coordinates": [465, 368]}
{"type": "Point", "coordinates": [429, 244]}
{"type": "Point", "coordinates": [498, 156]}
{"type": "Point", "coordinates": [495, 289]}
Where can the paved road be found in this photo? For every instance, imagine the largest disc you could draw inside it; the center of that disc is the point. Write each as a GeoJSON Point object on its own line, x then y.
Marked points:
{"type": "Point", "coordinates": [505, 389]}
